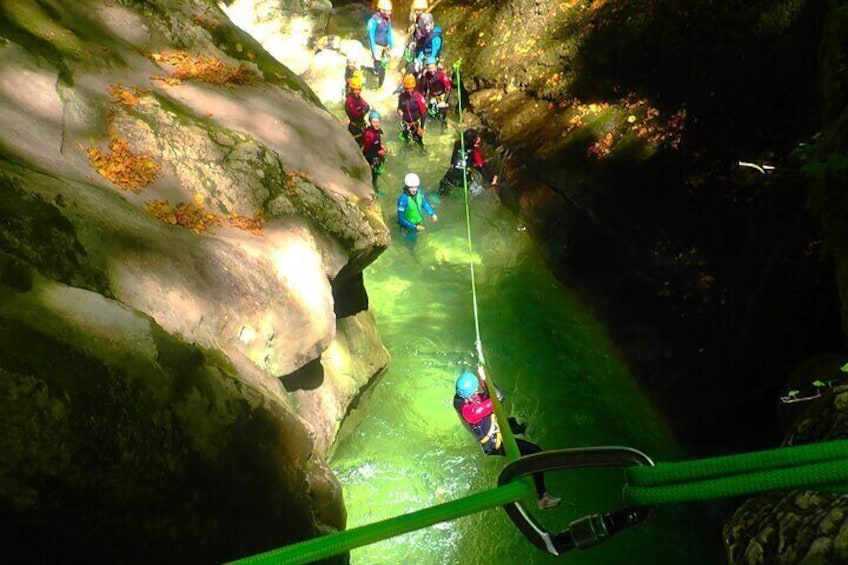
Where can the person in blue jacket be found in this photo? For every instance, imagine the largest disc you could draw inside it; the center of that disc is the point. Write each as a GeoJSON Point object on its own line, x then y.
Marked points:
{"type": "Point", "coordinates": [379, 30]}
{"type": "Point", "coordinates": [411, 207]}
{"type": "Point", "coordinates": [430, 44]}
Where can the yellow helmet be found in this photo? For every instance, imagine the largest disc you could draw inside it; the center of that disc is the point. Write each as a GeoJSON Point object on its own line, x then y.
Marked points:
{"type": "Point", "coordinates": [419, 5]}
{"type": "Point", "coordinates": [409, 81]}
{"type": "Point", "coordinates": [384, 5]}
{"type": "Point", "coordinates": [356, 83]}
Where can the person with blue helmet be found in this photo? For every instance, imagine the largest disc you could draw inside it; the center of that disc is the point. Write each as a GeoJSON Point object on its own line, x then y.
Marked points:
{"type": "Point", "coordinates": [476, 410]}
{"type": "Point", "coordinates": [379, 29]}
{"type": "Point", "coordinates": [373, 148]}
{"type": "Point", "coordinates": [414, 34]}
{"type": "Point", "coordinates": [411, 207]}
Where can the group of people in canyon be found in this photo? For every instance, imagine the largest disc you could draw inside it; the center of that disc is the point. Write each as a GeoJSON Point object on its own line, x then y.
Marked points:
{"type": "Point", "coordinates": [424, 92]}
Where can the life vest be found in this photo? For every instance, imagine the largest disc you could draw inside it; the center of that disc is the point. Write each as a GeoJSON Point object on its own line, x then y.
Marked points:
{"type": "Point", "coordinates": [425, 45]}
{"type": "Point", "coordinates": [485, 429]}
{"type": "Point", "coordinates": [373, 142]}
{"type": "Point", "coordinates": [381, 32]}
{"type": "Point", "coordinates": [411, 105]}
{"type": "Point", "coordinates": [356, 108]}
{"type": "Point", "coordinates": [412, 214]}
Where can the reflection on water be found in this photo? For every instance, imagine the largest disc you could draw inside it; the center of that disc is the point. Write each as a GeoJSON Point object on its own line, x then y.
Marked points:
{"type": "Point", "coordinates": [554, 361]}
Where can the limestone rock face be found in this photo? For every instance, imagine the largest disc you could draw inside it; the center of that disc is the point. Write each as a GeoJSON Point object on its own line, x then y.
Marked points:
{"type": "Point", "coordinates": [182, 229]}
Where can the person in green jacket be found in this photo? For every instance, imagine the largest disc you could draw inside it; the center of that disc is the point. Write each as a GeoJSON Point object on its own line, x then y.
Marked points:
{"type": "Point", "coordinates": [411, 207]}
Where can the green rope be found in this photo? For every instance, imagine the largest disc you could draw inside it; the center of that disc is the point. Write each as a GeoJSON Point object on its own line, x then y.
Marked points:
{"type": "Point", "coordinates": [747, 484]}
{"type": "Point", "coordinates": [735, 464]}
{"type": "Point", "coordinates": [339, 542]}
{"type": "Point", "coordinates": [509, 443]}
{"type": "Point", "coordinates": [819, 464]}
{"type": "Point", "coordinates": [478, 342]}
{"type": "Point", "coordinates": [823, 466]}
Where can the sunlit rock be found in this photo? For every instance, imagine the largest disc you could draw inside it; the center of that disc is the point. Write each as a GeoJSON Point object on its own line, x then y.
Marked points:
{"type": "Point", "coordinates": [286, 29]}
{"type": "Point", "coordinates": [179, 213]}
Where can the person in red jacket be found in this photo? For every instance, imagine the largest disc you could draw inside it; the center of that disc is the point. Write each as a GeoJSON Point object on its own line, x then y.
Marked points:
{"type": "Point", "coordinates": [356, 109]}
{"type": "Point", "coordinates": [412, 111]}
{"type": "Point", "coordinates": [436, 87]}
{"type": "Point", "coordinates": [474, 406]}
{"type": "Point", "coordinates": [373, 148]}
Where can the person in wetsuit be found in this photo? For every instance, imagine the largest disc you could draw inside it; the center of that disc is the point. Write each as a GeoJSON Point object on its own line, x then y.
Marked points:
{"type": "Point", "coordinates": [412, 111]}
{"type": "Point", "coordinates": [471, 159]}
{"type": "Point", "coordinates": [356, 109]}
{"type": "Point", "coordinates": [436, 87]}
{"type": "Point", "coordinates": [373, 148]}
{"type": "Point", "coordinates": [430, 43]}
{"type": "Point", "coordinates": [379, 30]}
{"type": "Point", "coordinates": [411, 207]}
{"type": "Point", "coordinates": [474, 406]}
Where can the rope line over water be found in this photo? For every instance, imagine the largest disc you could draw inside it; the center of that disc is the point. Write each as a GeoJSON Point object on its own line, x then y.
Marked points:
{"type": "Point", "coordinates": [823, 466]}
{"type": "Point", "coordinates": [509, 443]}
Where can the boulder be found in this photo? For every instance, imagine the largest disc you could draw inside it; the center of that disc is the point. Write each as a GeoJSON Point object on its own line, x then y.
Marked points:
{"type": "Point", "coordinates": [183, 228]}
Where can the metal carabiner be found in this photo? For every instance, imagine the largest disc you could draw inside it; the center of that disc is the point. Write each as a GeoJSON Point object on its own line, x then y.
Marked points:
{"type": "Point", "coordinates": [588, 530]}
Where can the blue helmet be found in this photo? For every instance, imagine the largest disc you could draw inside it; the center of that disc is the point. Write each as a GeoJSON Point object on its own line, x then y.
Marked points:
{"type": "Point", "coordinates": [430, 60]}
{"type": "Point", "coordinates": [374, 115]}
{"type": "Point", "coordinates": [467, 384]}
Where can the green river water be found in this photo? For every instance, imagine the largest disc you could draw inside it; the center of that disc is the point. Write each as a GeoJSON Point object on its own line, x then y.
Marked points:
{"type": "Point", "coordinates": [404, 448]}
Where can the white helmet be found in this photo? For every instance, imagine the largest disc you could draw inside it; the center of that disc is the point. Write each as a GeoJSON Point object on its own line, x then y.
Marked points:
{"type": "Point", "coordinates": [411, 180]}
